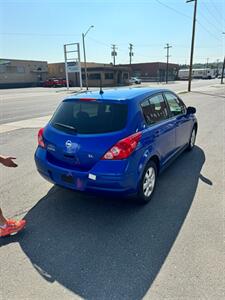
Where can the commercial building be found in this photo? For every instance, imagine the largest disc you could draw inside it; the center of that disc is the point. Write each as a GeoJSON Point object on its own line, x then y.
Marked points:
{"type": "Point", "coordinates": [26, 73]}
{"type": "Point", "coordinates": [22, 73]}
{"type": "Point", "coordinates": [154, 71]}
{"type": "Point", "coordinates": [98, 73]}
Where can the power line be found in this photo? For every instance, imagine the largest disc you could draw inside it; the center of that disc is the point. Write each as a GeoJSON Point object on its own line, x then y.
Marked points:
{"type": "Point", "coordinates": [209, 21]}
{"type": "Point", "coordinates": [210, 12]}
{"type": "Point", "coordinates": [108, 44]}
{"type": "Point", "coordinates": [37, 34]}
{"type": "Point", "coordinates": [152, 45]}
{"type": "Point", "coordinates": [209, 32]}
{"type": "Point", "coordinates": [148, 45]}
{"type": "Point", "coordinates": [180, 13]}
{"type": "Point", "coordinates": [176, 45]}
{"type": "Point", "coordinates": [216, 10]}
{"type": "Point", "coordinates": [173, 9]}
{"type": "Point", "coordinates": [98, 42]}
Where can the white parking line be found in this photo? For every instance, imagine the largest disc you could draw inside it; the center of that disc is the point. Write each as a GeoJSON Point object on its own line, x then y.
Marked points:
{"type": "Point", "coordinates": [31, 123]}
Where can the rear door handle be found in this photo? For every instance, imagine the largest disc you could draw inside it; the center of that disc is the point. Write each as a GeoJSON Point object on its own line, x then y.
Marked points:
{"type": "Point", "coordinates": [157, 133]}
{"type": "Point", "coordinates": [178, 123]}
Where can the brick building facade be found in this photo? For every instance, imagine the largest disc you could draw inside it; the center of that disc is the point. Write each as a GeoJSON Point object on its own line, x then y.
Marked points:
{"type": "Point", "coordinates": [155, 71]}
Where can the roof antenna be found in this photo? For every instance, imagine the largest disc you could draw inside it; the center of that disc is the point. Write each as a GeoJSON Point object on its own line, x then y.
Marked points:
{"type": "Point", "coordinates": [101, 90]}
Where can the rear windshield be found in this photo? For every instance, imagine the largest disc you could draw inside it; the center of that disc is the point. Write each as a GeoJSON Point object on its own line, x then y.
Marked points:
{"type": "Point", "coordinates": [90, 117]}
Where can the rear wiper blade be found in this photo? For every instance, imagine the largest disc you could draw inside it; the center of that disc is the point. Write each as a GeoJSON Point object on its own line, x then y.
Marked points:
{"type": "Point", "coordinates": [66, 126]}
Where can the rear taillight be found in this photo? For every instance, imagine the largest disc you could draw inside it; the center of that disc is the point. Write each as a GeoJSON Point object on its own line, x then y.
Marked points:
{"type": "Point", "coordinates": [40, 138]}
{"type": "Point", "coordinates": [123, 148]}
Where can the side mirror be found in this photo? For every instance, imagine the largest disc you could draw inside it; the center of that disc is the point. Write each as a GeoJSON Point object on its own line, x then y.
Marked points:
{"type": "Point", "coordinates": [191, 110]}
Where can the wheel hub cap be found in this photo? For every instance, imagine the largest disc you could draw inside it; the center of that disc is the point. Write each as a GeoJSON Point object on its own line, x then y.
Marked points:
{"type": "Point", "coordinates": [193, 138]}
{"type": "Point", "coordinates": [149, 182]}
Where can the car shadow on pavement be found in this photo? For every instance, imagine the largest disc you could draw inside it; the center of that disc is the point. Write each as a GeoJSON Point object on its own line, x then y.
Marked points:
{"type": "Point", "coordinates": [102, 248]}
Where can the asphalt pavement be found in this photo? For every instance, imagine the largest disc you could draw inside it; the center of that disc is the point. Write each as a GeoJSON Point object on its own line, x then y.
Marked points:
{"type": "Point", "coordinates": [79, 246]}
{"type": "Point", "coordinates": [22, 104]}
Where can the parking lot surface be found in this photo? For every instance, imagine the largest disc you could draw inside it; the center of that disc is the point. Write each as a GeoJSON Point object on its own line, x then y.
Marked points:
{"type": "Point", "coordinates": [27, 103]}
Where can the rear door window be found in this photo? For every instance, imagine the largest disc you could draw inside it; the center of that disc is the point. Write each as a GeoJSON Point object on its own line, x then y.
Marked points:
{"type": "Point", "coordinates": [155, 109]}
{"type": "Point", "coordinates": [90, 117]}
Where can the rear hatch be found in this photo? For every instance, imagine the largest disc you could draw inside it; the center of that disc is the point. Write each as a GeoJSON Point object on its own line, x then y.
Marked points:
{"type": "Point", "coordinates": [82, 130]}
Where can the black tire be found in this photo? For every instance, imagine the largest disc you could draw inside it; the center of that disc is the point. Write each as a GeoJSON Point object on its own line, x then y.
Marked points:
{"type": "Point", "coordinates": [191, 143]}
{"type": "Point", "coordinates": [141, 196]}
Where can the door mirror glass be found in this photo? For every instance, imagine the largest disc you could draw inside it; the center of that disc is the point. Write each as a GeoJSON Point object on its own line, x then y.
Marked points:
{"type": "Point", "coordinates": [191, 110]}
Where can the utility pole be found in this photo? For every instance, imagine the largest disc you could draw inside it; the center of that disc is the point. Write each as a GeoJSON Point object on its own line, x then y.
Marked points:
{"type": "Point", "coordinates": [131, 53]}
{"type": "Point", "coordinates": [114, 53]}
{"type": "Point", "coordinates": [207, 62]}
{"type": "Point", "coordinates": [85, 63]}
{"type": "Point", "coordinates": [222, 75]}
{"type": "Point", "coordinates": [217, 67]}
{"type": "Point", "coordinates": [192, 43]}
{"type": "Point", "coordinates": [167, 60]}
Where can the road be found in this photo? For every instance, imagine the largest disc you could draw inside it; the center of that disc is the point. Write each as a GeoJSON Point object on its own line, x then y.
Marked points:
{"type": "Point", "coordinates": [80, 246]}
{"type": "Point", "coordinates": [22, 104]}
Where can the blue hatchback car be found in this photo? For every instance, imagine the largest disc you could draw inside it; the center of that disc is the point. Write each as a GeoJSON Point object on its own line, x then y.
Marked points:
{"type": "Point", "coordinates": [115, 141]}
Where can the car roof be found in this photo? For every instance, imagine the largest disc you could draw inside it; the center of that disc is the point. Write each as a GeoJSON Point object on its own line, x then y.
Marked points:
{"type": "Point", "coordinates": [120, 94]}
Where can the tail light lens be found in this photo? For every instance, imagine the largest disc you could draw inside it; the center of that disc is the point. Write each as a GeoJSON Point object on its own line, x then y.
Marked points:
{"type": "Point", "coordinates": [40, 138]}
{"type": "Point", "coordinates": [124, 148]}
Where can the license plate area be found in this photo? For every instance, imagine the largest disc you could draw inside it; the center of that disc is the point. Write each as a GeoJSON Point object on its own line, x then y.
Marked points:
{"type": "Point", "coordinates": [67, 178]}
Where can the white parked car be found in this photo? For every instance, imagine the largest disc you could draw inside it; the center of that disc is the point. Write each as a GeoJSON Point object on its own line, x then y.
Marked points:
{"type": "Point", "coordinates": [135, 80]}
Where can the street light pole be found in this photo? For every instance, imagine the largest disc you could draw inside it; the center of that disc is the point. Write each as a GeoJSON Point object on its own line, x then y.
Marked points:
{"type": "Point", "coordinates": [85, 62]}
{"type": "Point", "coordinates": [192, 44]}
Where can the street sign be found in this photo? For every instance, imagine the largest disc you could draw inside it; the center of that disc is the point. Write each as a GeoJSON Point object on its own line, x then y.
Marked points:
{"type": "Point", "coordinates": [73, 67]}
{"type": "Point", "coordinates": [72, 64]}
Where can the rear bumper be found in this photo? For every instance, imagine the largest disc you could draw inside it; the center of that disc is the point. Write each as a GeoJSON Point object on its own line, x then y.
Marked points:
{"type": "Point", "coordinates": [101, 178]}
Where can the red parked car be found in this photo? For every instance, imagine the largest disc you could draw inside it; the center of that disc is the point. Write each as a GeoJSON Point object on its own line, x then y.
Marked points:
{"type": "Point", "coordinates": [54, 82]}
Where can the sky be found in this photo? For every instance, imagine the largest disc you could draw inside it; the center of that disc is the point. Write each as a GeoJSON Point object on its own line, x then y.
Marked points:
{"type": "Point", "coordinates": [38, 29]}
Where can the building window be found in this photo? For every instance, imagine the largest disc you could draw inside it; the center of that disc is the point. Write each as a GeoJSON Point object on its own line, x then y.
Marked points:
{"type": "Point", "coordinates": [125, 76]}
{"type": "Point", "coordinates": [11, 69]}
{"type": "Point", "coordinates": [109, 76]}
{"type": "Point", "coordinates": [94, 76]}
{"type": "Point", "coordinates": [20, 69]}
{"type": "Point", "coordinates": [2, 69]}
